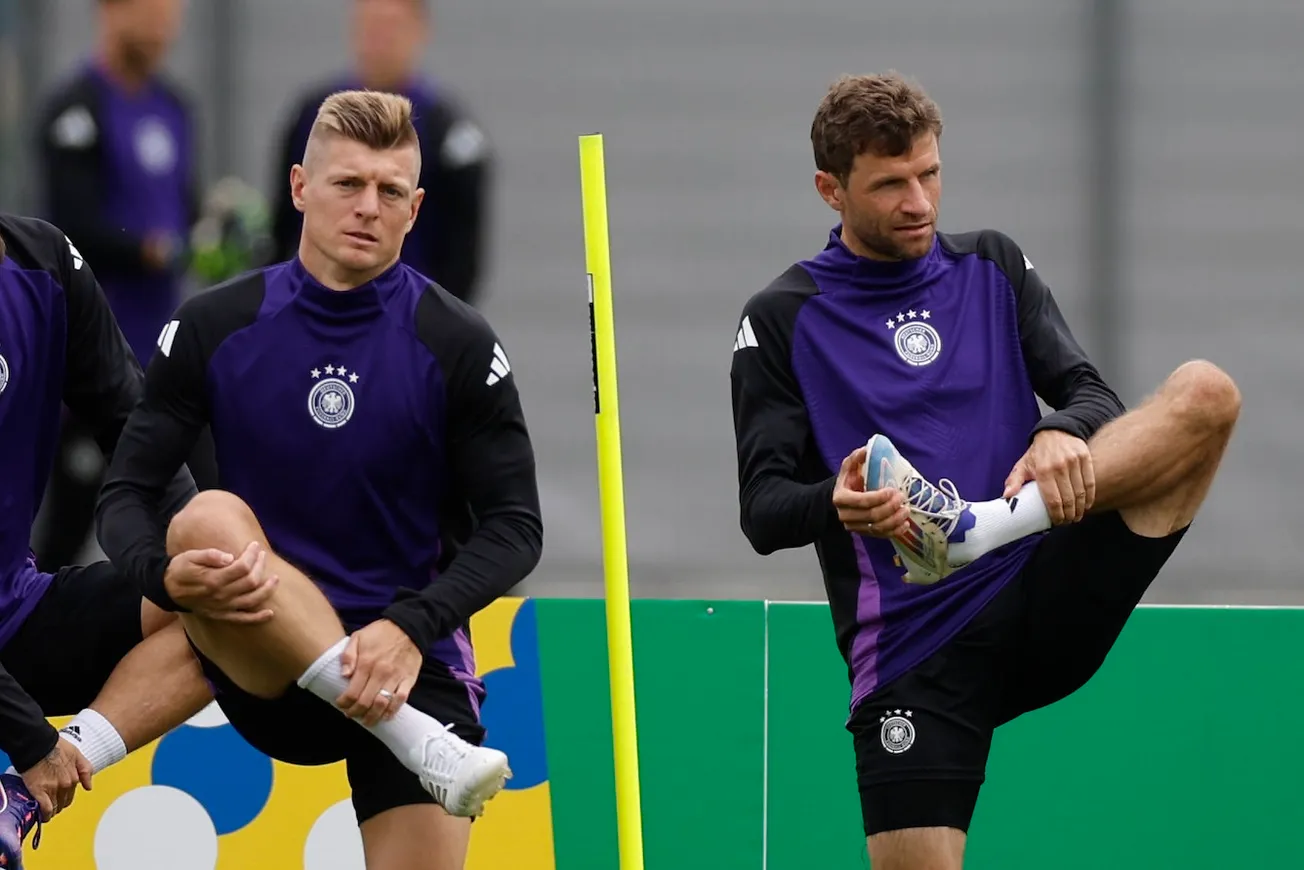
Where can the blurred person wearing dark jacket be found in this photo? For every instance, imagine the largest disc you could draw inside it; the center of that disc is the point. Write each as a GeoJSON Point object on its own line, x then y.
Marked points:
{"type": "Point", "coordinates": [116, 147]}
{"type": "Point", "coordinates": [448, 240]}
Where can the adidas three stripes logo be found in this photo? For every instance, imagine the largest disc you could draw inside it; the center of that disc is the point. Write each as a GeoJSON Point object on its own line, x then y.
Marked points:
{"type": "Point", "coordinates": [499, 367]}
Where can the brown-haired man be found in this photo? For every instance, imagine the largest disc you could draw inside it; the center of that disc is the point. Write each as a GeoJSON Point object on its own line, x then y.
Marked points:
{"type": "Point", "coordinates": [377, 489]}
{"type": "Point", "coordinates": [954, 614]}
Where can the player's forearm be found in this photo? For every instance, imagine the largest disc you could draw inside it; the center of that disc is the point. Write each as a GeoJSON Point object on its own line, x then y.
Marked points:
{"type": "Point", "coordinates": [779, 514]}
{"type": "Point", "coordinates": [1087, 404]}
{"type": "Point", "coordinates": [501, 553]}
{"type": "Point", "coordinates": [129, 531]}
{"type": "Point", "coordinates": [25, 735]}
{"type": "Point", "coordinates": [145, 484]}
{"type": "Point", "coordinates": [142, 489]}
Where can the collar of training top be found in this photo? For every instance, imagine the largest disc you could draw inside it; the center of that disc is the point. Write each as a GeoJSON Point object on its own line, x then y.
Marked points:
{"type": "Point", "coordinates": [865, 273]}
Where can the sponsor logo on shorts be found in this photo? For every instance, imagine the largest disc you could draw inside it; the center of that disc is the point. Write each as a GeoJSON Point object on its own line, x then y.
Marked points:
{"type": "Point", "coordinates": [4, 373]}
{"type": "Point", "coordinates": [896, 730]}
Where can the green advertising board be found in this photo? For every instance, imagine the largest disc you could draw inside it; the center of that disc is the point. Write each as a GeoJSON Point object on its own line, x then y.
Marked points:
{"type": "Point", "coordinates": [1182, 752]}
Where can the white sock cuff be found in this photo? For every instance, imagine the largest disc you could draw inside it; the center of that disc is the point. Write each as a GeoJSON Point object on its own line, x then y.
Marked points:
{"type": "Point", "coordinates": [95, 720]}
{"type": "Point", "coordinates": [96, 739]}
{"type": "Point", "coordinates": [323, 661]}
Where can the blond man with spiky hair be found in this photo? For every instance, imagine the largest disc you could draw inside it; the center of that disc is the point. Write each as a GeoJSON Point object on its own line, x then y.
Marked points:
{"type": "Point", "coordinates": [377, 489]}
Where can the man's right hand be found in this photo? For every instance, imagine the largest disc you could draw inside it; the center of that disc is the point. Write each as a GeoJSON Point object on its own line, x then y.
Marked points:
{"type": "Point", "coordinates": [53, 780]}
{"type": "Point", "coordinates": [880, 513]}
{"type": "Point", "coordinates": [218, 585]}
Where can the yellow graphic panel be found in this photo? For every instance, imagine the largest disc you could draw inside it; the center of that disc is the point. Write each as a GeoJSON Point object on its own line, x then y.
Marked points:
{"type": "Point", "coordinates": [203, 799]}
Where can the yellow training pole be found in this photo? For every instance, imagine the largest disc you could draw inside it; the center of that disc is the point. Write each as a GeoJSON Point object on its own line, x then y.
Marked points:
{"type": "Point", "coordinates": [606, 408]}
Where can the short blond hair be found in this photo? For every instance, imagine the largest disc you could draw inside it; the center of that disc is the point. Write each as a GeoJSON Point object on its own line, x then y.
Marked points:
{"type": "Point", "coordinates": [376, 119]}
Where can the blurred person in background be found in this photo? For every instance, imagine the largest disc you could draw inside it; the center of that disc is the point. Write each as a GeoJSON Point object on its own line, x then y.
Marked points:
{"type": "Point", "coordinates": [116, 148]}
{"type": "Point", "coordinates": [447, 243]}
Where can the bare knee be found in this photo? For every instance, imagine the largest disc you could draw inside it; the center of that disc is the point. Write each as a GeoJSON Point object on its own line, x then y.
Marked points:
{"type": "Point", "coordinates": [917, 849]}
{"type": "Point", "coordinates": [214, 518]}
{"type": "Point", "coordinates": [1205, 396]}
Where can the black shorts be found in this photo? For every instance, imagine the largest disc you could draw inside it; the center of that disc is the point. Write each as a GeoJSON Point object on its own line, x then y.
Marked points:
{"type": "Point", "coordinates": [922, 741]}
{"type": "Point", "coordinates": [300, 728]}
{"type": "Point", "coordinates": [87, 622]}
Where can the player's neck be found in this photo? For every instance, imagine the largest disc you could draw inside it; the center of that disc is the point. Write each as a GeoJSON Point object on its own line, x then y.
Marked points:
{"type": "Point", "coordinates": [393, 80]}
{"type": "Point", "coordinates": [115, 64]}
{"type": "Point", "coordinates": [860, 249]}
{"type": "Point", "coordinates": [392, 83]}
{"type": "Point", "coordinates": [332, 276]}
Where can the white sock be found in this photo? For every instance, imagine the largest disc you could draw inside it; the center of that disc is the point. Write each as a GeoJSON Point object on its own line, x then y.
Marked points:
{"type": "Point", "coordinates": [999, 522]}
{"type": "Point", "coordinates": [402, 734]}
{"type": "Point", "coordinates": [95, 738]}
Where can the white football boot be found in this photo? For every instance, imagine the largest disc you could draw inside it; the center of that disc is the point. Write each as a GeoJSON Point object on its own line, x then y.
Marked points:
{"type": "Point", "coordinates": [460, 776]}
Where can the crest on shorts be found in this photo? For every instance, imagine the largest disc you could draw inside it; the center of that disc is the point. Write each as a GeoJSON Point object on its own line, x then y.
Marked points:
{"type": "Point", "coordinates": [4, 373]}
{"type": "Point", "coordinates": [917, 342]}
{"type": "Point", "coordinates": [330, 401]}
{"type": "Point", "coordinates": [896, 730]}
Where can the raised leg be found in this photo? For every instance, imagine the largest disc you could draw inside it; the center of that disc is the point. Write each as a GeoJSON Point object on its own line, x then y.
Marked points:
{"type": "Point", "coordinates": [262, 659]}
{"type": "Point", "coordinates": [156, 687]}
{"type": "Point", "coordinates": [303, 643]}
{"type": "Point", "coordinates": [1155, 464]}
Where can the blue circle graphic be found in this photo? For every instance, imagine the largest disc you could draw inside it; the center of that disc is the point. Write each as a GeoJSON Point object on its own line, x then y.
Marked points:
{"type": "Point", "coordinates": [216, 767]}
{"type": "Point", "coordinates": [513, 708]}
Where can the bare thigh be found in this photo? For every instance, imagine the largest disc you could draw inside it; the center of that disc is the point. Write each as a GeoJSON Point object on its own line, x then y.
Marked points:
{"type": "Point", "coordinates": [415, 837]}
{"type": "Point", "coordinates": [916, 849]}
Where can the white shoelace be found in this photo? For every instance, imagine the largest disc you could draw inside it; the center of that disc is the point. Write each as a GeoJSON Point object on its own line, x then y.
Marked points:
{"type": "Point", "coordinates": [442, 753]}
{"type": "Point", "coordinates": [924, 499]}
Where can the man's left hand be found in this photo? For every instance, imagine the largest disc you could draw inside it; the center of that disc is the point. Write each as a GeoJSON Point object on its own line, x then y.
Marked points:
{"type": "Point", "coordinates": [1061, 465]}
{"type": "Point", "coordinates": [382, 664]}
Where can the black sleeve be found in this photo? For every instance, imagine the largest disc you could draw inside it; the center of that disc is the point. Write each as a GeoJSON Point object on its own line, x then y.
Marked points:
{"type": "Point", "coordinates": [286, 220]}
{"type": "Point", "coordinates": [103, 381]}
{"type": "Point", "coordinates": [491, 460]}
{"type": "Point", "coordinates": [158, 437]}
{"type": "Point", "coordinates": [25, 734]}
{"type": "Point", "coordinates": [1059, 369]}
{"type": "Point", "coordinates": [71, 149]}
{"type": "Point", "coordinates": [461, 179]}
{"type": "Point", "coordinates": [196, 132]}
{"type": "Point", "coordinates": [785, 495]}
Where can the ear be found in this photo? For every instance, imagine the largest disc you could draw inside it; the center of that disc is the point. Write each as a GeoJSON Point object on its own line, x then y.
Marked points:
{"type": "Point", "coordinates": [298, 178]}
{"type": "Point", "coordinates": [417, 198]}
{"type": "Point", "coordinates": [830, 190]}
